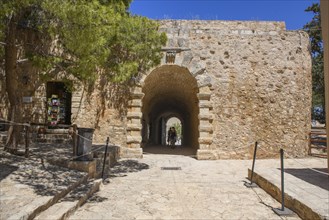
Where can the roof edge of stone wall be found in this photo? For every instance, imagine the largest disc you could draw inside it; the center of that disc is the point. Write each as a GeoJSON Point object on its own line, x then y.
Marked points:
{"type": "Point", "coordinates": [225, 24]}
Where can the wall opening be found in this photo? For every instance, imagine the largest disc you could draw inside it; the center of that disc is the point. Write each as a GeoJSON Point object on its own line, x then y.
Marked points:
{"type": "Point", "coordinates": [170, 91]}
{"type": "Point", "coordinates": [59, 99]}
{"type": "Point", "coordinates": [177, 124]}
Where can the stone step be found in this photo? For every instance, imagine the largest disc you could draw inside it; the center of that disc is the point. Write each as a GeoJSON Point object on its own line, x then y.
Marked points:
{"type": "Point", "coordinates": [3, 137]}
{"type": "Point", "coordinates": [53, 140]}
{"type": "Point", "coordinates": [57, 131]}
{"type": "Point", "coordinates": [42, 203]}
{"type": "Point", "coordinates": [71, 202]}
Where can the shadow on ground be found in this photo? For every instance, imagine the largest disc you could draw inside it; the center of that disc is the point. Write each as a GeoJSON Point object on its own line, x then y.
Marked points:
{"type": "Point", "coordinates": [50, 150]}
{"type": "Point", "coordinates": [315, 178]}
{"type": "Point", "coordinates": [6, 170]}
{"type": "Point", "coordinates": [45, 179]}
{"type": "Point", "coordinates": [81, 192]}
{"type": "Point", "coordinates": [164, 149]}
{"type": "Point", "coordinates": [127, 166]}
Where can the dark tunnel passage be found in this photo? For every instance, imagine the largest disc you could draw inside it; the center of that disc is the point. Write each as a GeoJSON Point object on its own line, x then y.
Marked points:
{"type": "Point", "coordinates": [170, 91]}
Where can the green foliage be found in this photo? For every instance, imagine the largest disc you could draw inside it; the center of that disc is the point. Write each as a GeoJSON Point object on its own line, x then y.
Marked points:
{"type": "Point", "coordinates": [135, 51]}
{"type": "Point", "coordinates": [86, 36]}
{"type": "Point", "coordinates": [313, 28]}
{"type": "Point", "coordinates": [178, 128]}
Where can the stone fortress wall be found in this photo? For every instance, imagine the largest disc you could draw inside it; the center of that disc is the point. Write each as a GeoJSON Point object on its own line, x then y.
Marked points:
{"type": "Point", "coordinates": [254, 84]}
{"type": "Point", "coordinates": [233, 83]}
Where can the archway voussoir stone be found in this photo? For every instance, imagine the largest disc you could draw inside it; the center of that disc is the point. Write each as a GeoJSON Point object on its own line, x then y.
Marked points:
{"type": "Point", "coordinates": [206, 117]}
{"type": "Point", "coordinates": [204, 81]}
{"type": "Point", "coordinates": [206, 128]}
{"type": "Point", "coordinates": [205, 140]}
{"type": "Point", "coordinates": [136, 95]}
{"type": "Point", "coordinates": [135, 103]}
{"type": "Point", "coordinates": [188, 57]}
{"type": "Point", "coordinates": [204, 96]}
{"type": "Point", "coordinates": [134, 114]}
{"type": "Point", "coordinates": [134, 139]}
{"type": "Point", "coordinates": [206, 155]}
{"type": "Point", "coordinates": [197, 68]}
{"type": "Point", "coordinates": [133, 151]}
{"type": "Point", "coordinates": [205, 104]}
{"type": "Point", "coordinates": [134, 127]}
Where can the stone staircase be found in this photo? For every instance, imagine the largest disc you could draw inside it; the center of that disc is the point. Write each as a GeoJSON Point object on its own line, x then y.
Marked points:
{"type": "Point", "coordinates": [53, 136]}
{"type": "Point", "coordinates": [67, 196]}
{"type": "Point", "coordinates": [42, 203]}
{"type": "Point", "coordinates": [3, 137]}
{"type": "Point", "coordinates": [68, 204]}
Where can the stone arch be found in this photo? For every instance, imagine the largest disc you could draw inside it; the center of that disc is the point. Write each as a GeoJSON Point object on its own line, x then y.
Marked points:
{"type": "Point", "coordinates": [170, 89]}
{"type": "Point", "coordinates": [160, 127]}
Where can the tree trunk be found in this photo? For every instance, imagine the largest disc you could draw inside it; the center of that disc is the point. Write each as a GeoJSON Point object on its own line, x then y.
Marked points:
{"type": "Point", "coordinates": [13, 86]}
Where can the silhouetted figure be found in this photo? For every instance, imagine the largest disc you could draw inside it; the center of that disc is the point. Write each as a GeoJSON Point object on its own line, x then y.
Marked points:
{"type": "Point", "coordinates": [172, 137]}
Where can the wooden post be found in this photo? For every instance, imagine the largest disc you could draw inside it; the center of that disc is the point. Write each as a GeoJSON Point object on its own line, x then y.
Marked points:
{"type": "Point", "coordinates": [310, 143]}
{"type": "Point", "coordinates": [75, 139]}
{"type": "Point", "coordinates": [27, 140]}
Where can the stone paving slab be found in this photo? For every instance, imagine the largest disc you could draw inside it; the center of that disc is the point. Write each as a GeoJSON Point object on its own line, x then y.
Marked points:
{"type": "Point", "coordinates": [302, 182]}
{"type": "Point", "coordinates": [140, 189]}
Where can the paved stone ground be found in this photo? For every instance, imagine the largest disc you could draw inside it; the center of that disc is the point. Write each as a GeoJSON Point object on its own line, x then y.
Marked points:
{"type": "Point", "coordinates": [26, 183]}
{"type": "Point", "coordinates": [141, 189]}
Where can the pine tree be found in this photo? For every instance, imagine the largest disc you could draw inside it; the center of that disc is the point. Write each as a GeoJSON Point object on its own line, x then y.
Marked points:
{"type": "Point", "coordinates": [80, 39]}
{"type": "Point", "coordinates": [313, 28]}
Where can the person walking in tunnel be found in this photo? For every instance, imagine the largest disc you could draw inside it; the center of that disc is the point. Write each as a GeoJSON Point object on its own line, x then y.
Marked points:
{"type": "Point", "coordinates": [172, 136]}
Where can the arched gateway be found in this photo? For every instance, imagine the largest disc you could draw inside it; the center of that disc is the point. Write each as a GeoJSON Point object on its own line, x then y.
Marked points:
{"type": "Point", "coordinates": [167, 91]}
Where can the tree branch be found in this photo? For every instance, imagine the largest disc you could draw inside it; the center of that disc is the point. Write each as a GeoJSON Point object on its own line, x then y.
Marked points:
{"type": "Point", "coordinates": [22, 60]}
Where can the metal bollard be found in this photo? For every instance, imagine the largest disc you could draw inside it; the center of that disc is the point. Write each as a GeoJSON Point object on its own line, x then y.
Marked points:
{"type": "Point", "coordinates": [251, 184]}
{"type": "Point", "coordinates": [107, 143]}
{"type": "Point", "coordinates": [283, 210]}
{"type": "Point", "coordinates": [27, 141]}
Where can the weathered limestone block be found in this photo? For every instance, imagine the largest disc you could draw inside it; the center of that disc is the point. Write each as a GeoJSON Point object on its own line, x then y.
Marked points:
{"type": "Point", "coordinates": [134, 139]}
{"type": "Point", "coordinates": [206, 128]}
{"type": "Point", "coordinates": [206, 117]}
{"type": "Point", "coordinates": [204, 80]}
{"type": "Point", "coordinates": [130, 152]}
{"type": "Point", "coordinates": [134, 127]}
{"type": "Point", "coordinates": [204, 96]}
{"type": "Point", "coordinates": [136, 114]}
{"type": "Point", "coordinates": [205, 104]}
{"type": "Point", "coordinates": [205, 140]}
{"type": "Point", "coordinates": [206, 155]}
{"type": "Point", "coordinates": [137, 95]}
{"type": "Point", "coordinates": [135, 103]}
{"type": "Point", "coordinates": [188, 57]}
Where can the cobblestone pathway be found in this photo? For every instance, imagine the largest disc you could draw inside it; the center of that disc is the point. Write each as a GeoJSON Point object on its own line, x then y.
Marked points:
{"type": "Point", "coordinates": [144, 189]}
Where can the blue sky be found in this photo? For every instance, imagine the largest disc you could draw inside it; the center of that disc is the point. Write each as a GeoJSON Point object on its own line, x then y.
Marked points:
{"type": "Point", "coordinates": [292, 12]}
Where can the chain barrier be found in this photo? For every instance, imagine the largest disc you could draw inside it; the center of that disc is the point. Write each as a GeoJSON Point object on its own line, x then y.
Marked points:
{"type": "Point", "coordinates": [94, 150]}
{"type": "Point", "coordinates": [292, 158]}
{"type": "Point", "coordinates": [7, 122]}
{"type": "Point", "coordinates": [87, 139]}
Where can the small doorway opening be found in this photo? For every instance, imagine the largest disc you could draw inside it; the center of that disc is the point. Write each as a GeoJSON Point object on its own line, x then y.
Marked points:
{"type": "Point", "coordinates": [175, 123]}
{"type": "Point", "coordinates": [59, 99]}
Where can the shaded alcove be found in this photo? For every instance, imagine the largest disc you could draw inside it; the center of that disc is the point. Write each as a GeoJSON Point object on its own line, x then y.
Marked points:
{"type": "Point", "coordinates": [175, 122]}
{"type": "Point", "coordinates": [170, 91]}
